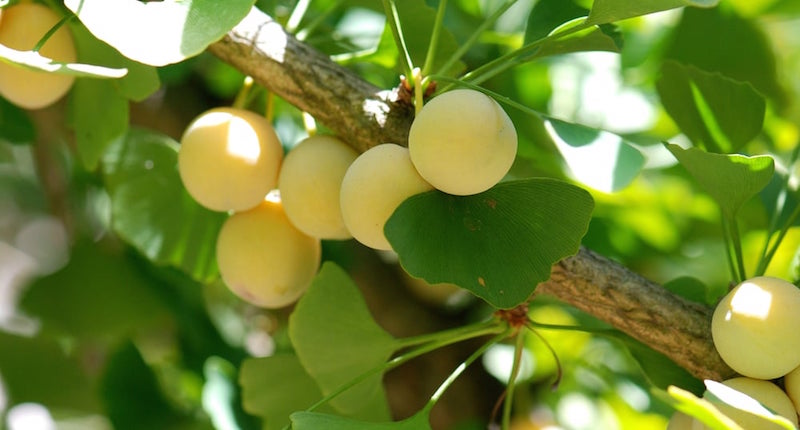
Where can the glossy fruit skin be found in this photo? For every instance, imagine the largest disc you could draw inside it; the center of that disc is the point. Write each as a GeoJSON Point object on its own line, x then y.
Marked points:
{"type": "Point", "coordinates": [21, 28]}
{"type": "Point", "coordinates": [264, 259]}
{"type": "Point", "coordinates": [756, 328]}
{"type": "Point", "coordinates": [768, 394]}
{"type": "Point", "coordinates": [792, 386]}
{"type": "Point", "coordinates": [310, 181]}
{"type": "Point", "coordinates": [462, 142]}
{"type": "Point", "coordinates": [229, 159]}
{"type": "Point", "coordinates": [377, 182]}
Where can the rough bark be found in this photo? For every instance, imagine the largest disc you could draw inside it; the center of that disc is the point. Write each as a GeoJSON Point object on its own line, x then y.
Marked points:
{"type": "Point", "coordinates": [357, 111]}
{"type": "Point", "coordinates": [363, 115]}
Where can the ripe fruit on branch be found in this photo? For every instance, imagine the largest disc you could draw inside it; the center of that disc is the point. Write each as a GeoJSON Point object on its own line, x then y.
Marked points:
{"type": "Point", "coordinates": [766, 393]}
{"type": "Point", "coordinates": [229, 159]}
{"type": "Point", "coordinates": [373, 187]}
{"type": "Point", "coordinates": [263, 258]}
{"type": "Point", "coordinates": [310, 181]}
{"type": "Point", "coordinates": [755, 328]}
{"type": "Point", "coordinates": [462, 142]}
{"type": "Point", "coordinates": [22, 26]}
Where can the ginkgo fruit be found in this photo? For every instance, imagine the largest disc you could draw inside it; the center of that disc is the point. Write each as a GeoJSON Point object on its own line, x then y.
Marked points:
{"type": "Point", "coordinates": [462, 142]}
{"type": "Point", "coordinates": [766, 393]}
{"type": "Point", "coordinates": [229, 159]}
{"type": "Point", "coordinates": [22, 26]}
{"type": "Point", "coordinates": [791, 383]}
{"type": "Point", "coordinates": [377, 182]}
{"type": "Point", "coordinates": [263, 258]}
{"type": "Point", "coordinates": [755, 328]}
{"type": "Point", "coordinates": [310, 181]}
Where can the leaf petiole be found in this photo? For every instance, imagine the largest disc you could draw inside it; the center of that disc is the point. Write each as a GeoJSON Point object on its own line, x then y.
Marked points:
{"type": "Point", "coordinates": [422, 345]}
{"type": "Point", "coordinates": [460, 369]}
{"type": "Point", "coordinates": [437, 29]}
{"type": "Point", "coordinates": [474, 37]}
{"type": "Point", "coordinates": [51, 32]}
{"type": "Point", "coordinates": [518, 56]}
{"type": "Point", "coordinates": [393, 18]}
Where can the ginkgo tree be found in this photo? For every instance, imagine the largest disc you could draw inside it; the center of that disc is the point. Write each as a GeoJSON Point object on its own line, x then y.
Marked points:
{"type": "Point", "coordinates": [647, 151]}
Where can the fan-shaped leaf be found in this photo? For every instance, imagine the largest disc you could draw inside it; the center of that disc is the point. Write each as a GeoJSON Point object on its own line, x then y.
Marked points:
{"type": "Point", "coordinates": [159, 33]}
{"type": "Point", "coordinates": [337, 341]}
{"type": "Point", "coordinates": [715, 112]}
{"type": "Point", "coordinates": [274, 387]}
{"type": "Point", "coordinates": [499, 244]}
{"type": "Point", "coordinates": [730, 179]}
{"type": "Point", "coordinates": [151, 209]}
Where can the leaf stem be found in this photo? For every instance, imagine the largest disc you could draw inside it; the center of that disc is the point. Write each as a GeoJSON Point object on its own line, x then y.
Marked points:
{"type": "Point", "coordinates": [393, 18]}
{"type": "Point", "coordinates": [512, 380]}
{"type": "Point", "coordinates": [51, 32]}
{"type": "Point", "coordinates": [474, 37]}
{"type": "Point", "coordinates": [730, 250]}
{"type": "Point", "coordinates": [517, 56]}
{"type": "Point", "coordinates": [776, 244]}
{"type": "Point", "coordinates": [737, 247]}
{"type": "Point", "coordinates": [531, 325]}
{"type": "Point", "coordinates": [497, 96]}
{"type": "Point", "coordinates": [460, 369]}
{"type": "Point", "coordinates": [770, 246]}
{"type": "Point", "coordinates": [457, 334]}
{"type": "Point", "coordinates": [423, 346]}
{"type": "Point", "coordinates": [242, 97]}
{"type": "Point", "coordinates": [430, 56]}
{"type": "Point", "coordinates": [308, 29]}
{"type": "Point", "coordinates": [297, 15]}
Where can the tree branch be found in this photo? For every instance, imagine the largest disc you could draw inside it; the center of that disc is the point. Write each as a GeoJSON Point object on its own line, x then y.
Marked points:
{"type": "Point", "coordinates": [365, 116]}
{"type": "Point", "coordinates": [357, 111]}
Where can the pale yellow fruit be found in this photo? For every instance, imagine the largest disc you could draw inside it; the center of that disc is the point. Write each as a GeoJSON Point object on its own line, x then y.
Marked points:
{"type": "Point", "coordinates": [229, 159]}
{"type": "Point", "coordinates": [756, 328]}
{"type": "Point", "coordinates": [373, 187]}
{"type": "Point", "coordinates": [462, 142]}
{"type": "Point", "coordinates": [21, 28]}
{"type": "Point", "coordinates": [310, 181]}
{"type": "Point", "coordinates": [264, 259]}
{"type": "Point", "coordinates": [792, 385]}
{"type": "Point", "coordinates": [766, 393]}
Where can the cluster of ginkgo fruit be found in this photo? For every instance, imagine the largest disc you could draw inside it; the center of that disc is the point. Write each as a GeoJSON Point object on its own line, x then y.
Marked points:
{"type": "Point", "coordinates": [22, 27]}
{"type": "Point", "coordinates": [756, 330]}
{"type": "Point", "coordinates": [268, 250]}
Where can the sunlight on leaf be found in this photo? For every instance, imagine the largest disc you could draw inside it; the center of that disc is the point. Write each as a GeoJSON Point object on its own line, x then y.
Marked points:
{"type": "Point", "coordinates": [603, 38]}
{"type": "Point", "coordinates": [597, 158]}
{"type": "Point", "coordinates": [733, 401]}
{"type": "Point", "coordinates": [163, 32]}
{"type": "Point", "coordinates": [337, 340]}
{"type": "Point", "coordinates": [605, 11]}
{"type": "Point", "coordinates": [731, 180]}
{"type": "Point", "coordinates": [35, 61]}
{"type": "Point", "coordinates": [697, 407]}
{"type": "Point", "coordinates": [715, 112]}
{"type": "Point", "coordinates": [499, 244]}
